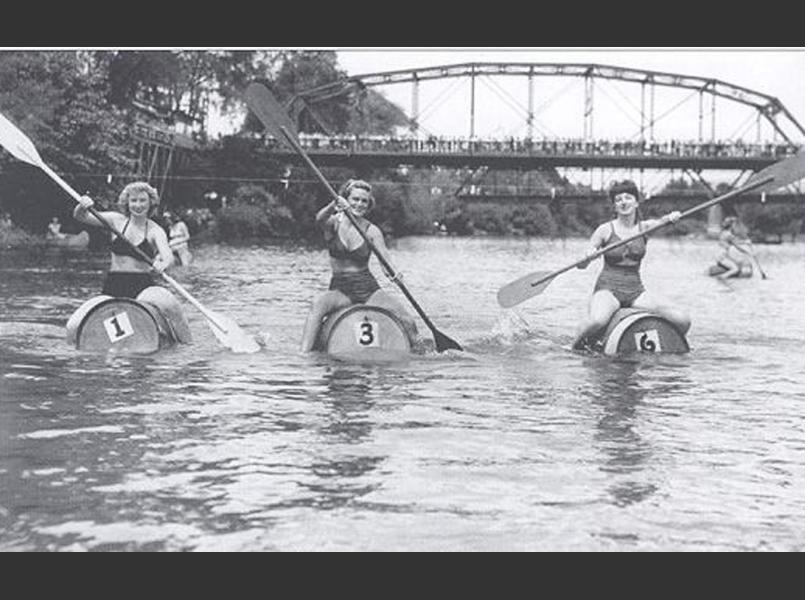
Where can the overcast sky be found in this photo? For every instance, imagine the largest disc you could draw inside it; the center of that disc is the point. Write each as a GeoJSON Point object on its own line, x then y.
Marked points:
{"type": "Point", "coordinates": [501, 101]}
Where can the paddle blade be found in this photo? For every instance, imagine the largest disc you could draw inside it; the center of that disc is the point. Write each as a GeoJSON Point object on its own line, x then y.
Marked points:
{"type": "Point", "coordinates": [231, 335]}
{"type": "Point", "coordinates": [785, 172]}
{"type": "Point", "coordinates": [524, 288]}
{"type": "Point", "coordinates": [444, 342]}
{"type": "Point", "coordinates": [269, 112]}
{"type": "Point", "coordinates": [17, 143]}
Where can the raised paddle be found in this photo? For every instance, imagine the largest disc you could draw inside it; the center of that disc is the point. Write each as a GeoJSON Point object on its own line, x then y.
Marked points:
{"type": "Point", "coordinates": [225, 329]}
{"type": "Point", "coordinates": [278, 124]}
{"type": "Point", "coordinates": [772, 177]}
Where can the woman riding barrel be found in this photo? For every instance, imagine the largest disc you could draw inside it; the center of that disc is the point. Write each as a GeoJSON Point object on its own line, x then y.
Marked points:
{"type": "Point", "coordinates": [352, 282]}
{"type": "Point", "coordinates": [619, 284]}
{"type": "Point", "coordinates": [129, 275]}
{"type": "Point", "coordinates": [731, 262]}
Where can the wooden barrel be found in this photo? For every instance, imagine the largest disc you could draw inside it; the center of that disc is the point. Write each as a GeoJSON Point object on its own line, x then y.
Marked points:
{"type": "Point", "coordinates": [632, 330]}
{"type": "Point", "coordinates": [363, 333]}
{"type": "Point", "coordinates": [717, 269]}
{"type": "Point", "coordinates": [120, 325]}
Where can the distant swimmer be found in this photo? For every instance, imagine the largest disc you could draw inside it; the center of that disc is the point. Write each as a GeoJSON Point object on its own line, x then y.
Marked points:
{"type": "Point", "coordinates": [54, 230]}
{"type": "Point", "coordinates": [178, 238]}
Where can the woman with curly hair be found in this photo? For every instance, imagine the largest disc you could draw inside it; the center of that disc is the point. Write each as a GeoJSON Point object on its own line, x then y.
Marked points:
{"type": "Point", "coordinates": [129, 275]}
{"type": "Point", "coordinates": [619, 285]}
{"type": "Point", "coordinates": [352, 282]}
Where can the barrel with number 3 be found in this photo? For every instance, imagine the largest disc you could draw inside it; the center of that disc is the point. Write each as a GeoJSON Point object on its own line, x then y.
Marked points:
{"type": "Point", "coordinates": [632, 330]}
{"type": "Point", "coordinates": [120, 325]}
{"type": "Point", "coordinates": [363, 333]}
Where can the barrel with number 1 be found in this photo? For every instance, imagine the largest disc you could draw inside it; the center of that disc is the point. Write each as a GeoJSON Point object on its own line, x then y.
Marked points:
{"type": "Point", "coordinates": [363, 333]}
{"type": "Point", "coordinates": [121, 325]}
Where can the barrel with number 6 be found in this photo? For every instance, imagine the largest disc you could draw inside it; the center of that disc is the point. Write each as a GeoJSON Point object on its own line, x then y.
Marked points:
{"type": "Point", "coordinates": [633, 330]}
{"type": "Point", "coordinates": [120, 325]}
{"type": "Point", "coordinates": [363, 333]}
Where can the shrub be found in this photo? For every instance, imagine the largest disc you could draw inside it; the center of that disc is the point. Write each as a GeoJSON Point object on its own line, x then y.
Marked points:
{"type": "Point", "coordinates": [253, 213]}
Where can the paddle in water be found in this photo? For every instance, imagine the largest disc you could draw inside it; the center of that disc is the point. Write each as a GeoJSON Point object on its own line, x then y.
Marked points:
{"type": "Point", "coordinates": [276, 121]}
{"type": "Point", "coordinates": [775, 176]}
{"type": "Point", "coordinates": [225, 329]}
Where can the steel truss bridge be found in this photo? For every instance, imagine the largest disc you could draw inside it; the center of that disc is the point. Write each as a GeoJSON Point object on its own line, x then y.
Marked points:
{"type": "Point", "coordinates": [768, 133]}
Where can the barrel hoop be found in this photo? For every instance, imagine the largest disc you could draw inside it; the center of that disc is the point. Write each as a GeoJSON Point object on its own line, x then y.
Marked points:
{"type": "Point", "coordinates": [80, 327]}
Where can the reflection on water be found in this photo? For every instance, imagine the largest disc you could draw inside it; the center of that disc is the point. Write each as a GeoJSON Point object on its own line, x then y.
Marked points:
{"type": "Point", "coordinates": [517, 443]}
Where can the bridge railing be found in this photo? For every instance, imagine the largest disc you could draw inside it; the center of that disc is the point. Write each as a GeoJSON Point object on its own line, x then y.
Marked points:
{"type": "Point", "coordinates": [352, 144]}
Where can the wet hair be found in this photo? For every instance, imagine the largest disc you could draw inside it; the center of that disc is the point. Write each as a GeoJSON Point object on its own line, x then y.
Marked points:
{"type": "Point", "coordinates": [627, 186]}
{"type": "Point", "coordinates": [133, 188]}
{"type": "Point", "coordinates": [351, 184]}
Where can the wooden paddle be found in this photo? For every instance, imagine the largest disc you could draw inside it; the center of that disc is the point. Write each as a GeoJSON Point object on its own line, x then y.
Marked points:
{"type": "Point", "coordinates": [772, 177]}
{"type": "Point", "coordinates": [276, 121]}
{"type": "Point", "coordinates": [226, 330]}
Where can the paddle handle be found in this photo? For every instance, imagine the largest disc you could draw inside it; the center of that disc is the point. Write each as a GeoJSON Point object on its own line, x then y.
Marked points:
{"type": "Point", "coordinates": [699, 207]}
{"type": "Point", "coordinates": [312, 166]}
{"type": "Point", "coordinates": [142, 255]}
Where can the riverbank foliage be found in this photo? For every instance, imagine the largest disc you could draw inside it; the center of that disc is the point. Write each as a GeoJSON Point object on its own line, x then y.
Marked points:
{"type": "Point", "coordinates": [82, 108]}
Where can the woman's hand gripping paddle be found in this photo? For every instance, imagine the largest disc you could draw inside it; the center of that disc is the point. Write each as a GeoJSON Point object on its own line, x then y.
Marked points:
{"type": "Point", "coordinates": [226, 330]}
{"type": "Point", "coordinates": [774, 176]}
{"type": "Point", "coordinates": [276, 121]}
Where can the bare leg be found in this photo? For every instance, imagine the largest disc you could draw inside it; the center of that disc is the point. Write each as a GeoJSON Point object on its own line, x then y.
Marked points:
{"type": "Point", "coordinates": [666, 310]}
{"type": "Point", "coordinates": [603, 305]}
{"type": "Point", "coordinates": [170, 308]}
{"type": "Point", "coordinates": [732, 267]}
{"type": "Point", "coordinates": [326, 303]}
{"type": "Point", "coordinates": [385, 300]}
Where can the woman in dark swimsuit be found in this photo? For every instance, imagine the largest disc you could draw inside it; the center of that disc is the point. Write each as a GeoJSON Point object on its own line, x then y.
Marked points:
{"type": "Point", "coordinates": [619, 285]}
{"type": "Point", "coordinates": [352, 282]}
{"type": "Point", "coordinates": [129, 276]}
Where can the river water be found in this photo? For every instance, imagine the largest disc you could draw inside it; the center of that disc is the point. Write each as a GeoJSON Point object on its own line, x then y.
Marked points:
{"type": "Point", "coordinates": [516, 444]}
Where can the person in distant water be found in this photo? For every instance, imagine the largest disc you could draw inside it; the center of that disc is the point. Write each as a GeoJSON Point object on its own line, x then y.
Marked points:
{"type": "Point", "coordinates": [352, 282]}
{"type": "Point", "coordinates": [54, 229]}
{"type": "Point", "coordinates": [178, 237]}
{"type": "Point", "coordinates": [619, 284]}
{"type": "Point", "coordinates": [129, 275]}
{"type": "Point", "coordinates": [730, 244]}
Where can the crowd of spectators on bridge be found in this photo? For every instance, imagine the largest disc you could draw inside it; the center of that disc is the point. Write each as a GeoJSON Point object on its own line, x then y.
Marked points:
{"type": "Point", "coordinates": [561, 146]}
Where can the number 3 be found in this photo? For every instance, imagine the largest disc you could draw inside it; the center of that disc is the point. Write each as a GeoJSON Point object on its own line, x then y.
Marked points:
{"type": "Point", "coordinates": [367, 335]}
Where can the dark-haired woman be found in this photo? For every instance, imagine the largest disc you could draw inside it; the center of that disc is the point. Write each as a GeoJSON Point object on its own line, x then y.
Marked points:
{"type": "Point", "coordinates": [619, 284]}
{"type": "Point", "coordinates": [352, 282]}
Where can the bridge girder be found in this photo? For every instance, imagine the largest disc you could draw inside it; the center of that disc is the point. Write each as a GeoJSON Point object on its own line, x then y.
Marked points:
{"type": "Point", "coordinates": [768, 106]}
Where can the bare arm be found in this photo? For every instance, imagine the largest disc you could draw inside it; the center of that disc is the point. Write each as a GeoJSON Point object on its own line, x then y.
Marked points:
{"type": "Point", "coordinates": [81, 213]}
{"type": "Point", "coordinates": [159, 238]}
{"type": "Point", "coordinates": [376, 237]}
{"type": "Point", "coordinates": [597, 240]}
{"type": "Point", "coordinates": [671, 217]}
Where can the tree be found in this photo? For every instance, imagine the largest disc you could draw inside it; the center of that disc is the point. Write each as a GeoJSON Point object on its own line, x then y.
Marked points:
{"type": "Point", "coordinates": [58, 99]}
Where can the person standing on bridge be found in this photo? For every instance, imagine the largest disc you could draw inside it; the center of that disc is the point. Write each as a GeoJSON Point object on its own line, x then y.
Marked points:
{"type": "Point", "coordinates": [352, 282]}
{"type": "Point", "coordinates": [619, 284]}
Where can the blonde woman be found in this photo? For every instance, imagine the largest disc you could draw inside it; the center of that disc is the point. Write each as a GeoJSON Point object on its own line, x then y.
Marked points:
{"type": "Point", "coordinates": [352, 282]}
{"type": "Point", "coordinates": [129, 275]}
